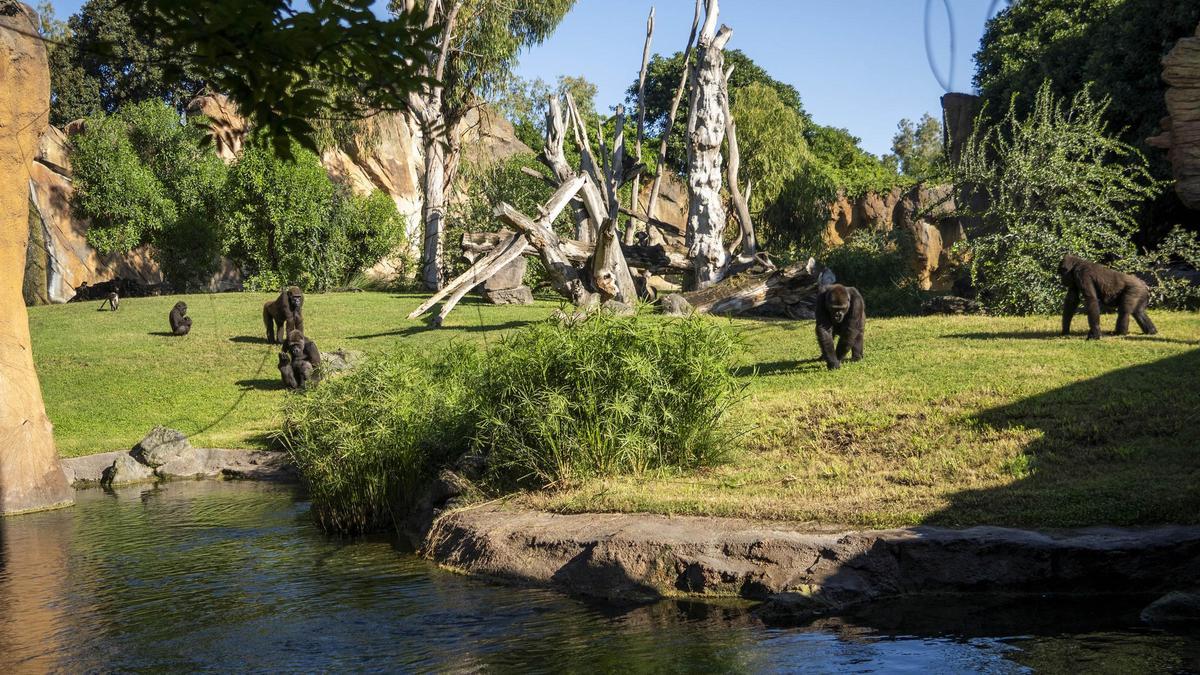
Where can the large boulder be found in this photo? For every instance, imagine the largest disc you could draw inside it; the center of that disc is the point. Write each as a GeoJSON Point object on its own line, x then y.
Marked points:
{"type": "Point", "coordinates": [161, 446]}
{"type": "Point", "coordinates": [31, 477]}
{"type": "Point", "coordinates": [1174, 608]}
{"type": "Point", "coordinates": [510, 276]}
{"type": "Point", "coordinates": [125, 470]}
{"type": "Point", "coordinates": [1181, 128]}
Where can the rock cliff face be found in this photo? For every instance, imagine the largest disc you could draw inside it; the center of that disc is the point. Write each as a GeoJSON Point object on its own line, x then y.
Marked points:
{"type": "Point", "coordinates": [1181, 128]}
{"type": "Point", "coordinates": [30, 475]}
{"type": "Point", "coordinates": [921, 219]}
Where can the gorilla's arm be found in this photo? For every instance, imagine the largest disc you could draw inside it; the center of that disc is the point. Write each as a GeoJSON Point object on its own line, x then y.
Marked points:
{"type": "Point", "coordinates": [1091, 303]}
{"type": "Point", "coordinates": [825, 339]}
{"type": "Point", "coordinates": [857, 325]}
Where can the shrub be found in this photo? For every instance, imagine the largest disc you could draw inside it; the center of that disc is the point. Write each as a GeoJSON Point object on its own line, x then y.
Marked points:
{"type": "Point", "coordinates": [289, 223]}
{"type": "Point", "coordinates": [550, 405]}
{"type": "Point", "coordinates": [1167, 289]}
{"type": "Point", "coordinates": [366, 442]}
{"type": "Point", "coordinates": [142, 177]}
{"type": "Point", "coordinates": [604, 396]}
{"type": "Point", "coordinates": [1057, 182]}
{"type": "Point", "coordinates": [877, 266]}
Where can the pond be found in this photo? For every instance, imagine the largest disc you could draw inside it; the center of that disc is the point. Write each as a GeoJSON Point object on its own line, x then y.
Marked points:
{"type": "Point", "coordinates": [210, 576]}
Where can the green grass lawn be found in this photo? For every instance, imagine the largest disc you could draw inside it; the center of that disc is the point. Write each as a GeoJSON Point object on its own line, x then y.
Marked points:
{"type": "Point", "coordinates": [956, 420]}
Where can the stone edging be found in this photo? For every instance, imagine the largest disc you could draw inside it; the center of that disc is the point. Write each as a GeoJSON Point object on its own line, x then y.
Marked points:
{"type": "Point", "coordinates": [87, 471]}
{"type": "Point", "coordinates": [644, 557]}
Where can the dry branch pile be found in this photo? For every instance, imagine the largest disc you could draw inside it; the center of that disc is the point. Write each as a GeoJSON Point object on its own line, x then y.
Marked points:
{"type": "Point", "coordinates": [599, 264]}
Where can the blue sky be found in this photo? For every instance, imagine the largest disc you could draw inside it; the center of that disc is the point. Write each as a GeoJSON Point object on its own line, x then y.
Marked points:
{"type": "Point", "coordinates": [858, 64]}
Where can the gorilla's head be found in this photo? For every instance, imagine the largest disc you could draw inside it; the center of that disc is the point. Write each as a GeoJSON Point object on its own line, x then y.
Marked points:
{"type": "Point", "coordinates": [295, 344]}
{"type": "Point", "coordinates": [181, 308]}
{"type": "Point", "coordinates": [1068, 264]}
{"type": "Point", "coordinates": [295, 298]}
{"type": "Point", "coordinates": [837, 302]}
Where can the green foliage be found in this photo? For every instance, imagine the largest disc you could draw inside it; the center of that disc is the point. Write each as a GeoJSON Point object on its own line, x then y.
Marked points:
{"type": "Point", "coordinates": [662, 78]}
{"type": "Point", "coordinates": [366, 443]}
{"type": "Point", "coordinates": [1168, 288]}
{"type": "Point", "coordinates": [605, 396]}
{"type": "Point", "coordinates": [919, 149]}
{"type": "Point", "coordinates": [289, 223]}
{"type": "Point", "coordinates": [877, 266]}
{"type": "Point", "coordinates": [771, 140]}
{"type": "Point", "coordinates": [142, 177]}
{"type": "Point", "coordinates": [1116, 46]}
{"type": "Point", "coordinates": [1057, 182]}
{"type": "Point", "coordinates": [550, 405]}
{"type": "Point", "coordinates": [103, 61]}
{"type": "Point", "coordinates": [524, 103]}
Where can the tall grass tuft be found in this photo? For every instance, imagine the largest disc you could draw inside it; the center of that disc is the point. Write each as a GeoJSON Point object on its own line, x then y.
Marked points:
{"type": "Point", "coordinates": [604, 396]}
{"type": "Point", "coordinates": [549, 406]}
{"type": "Point", "coordinates": [366, 442]}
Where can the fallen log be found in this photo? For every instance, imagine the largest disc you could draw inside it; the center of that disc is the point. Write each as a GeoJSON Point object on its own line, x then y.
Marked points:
{"type": "Point", "coordinates": [660, 260]}
{"type": "Point", "coordinates": [786, 291]}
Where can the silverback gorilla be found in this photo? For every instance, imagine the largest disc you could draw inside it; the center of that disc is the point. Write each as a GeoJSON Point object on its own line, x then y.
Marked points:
{"type": "Point", "coordinates": [1099, 285]}
{"type": "Point", "coordinates": [840, 312]}
{"type": "Point", "coordinates": [284, 312]}
{"type": "Point", "coordinates": [304, 358]}
{"type": "Point", "coordinates": [181, 323]}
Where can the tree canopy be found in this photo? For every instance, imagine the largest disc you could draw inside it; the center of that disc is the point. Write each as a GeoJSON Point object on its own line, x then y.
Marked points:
{"type": "Point", "coordinates": [918, 149]}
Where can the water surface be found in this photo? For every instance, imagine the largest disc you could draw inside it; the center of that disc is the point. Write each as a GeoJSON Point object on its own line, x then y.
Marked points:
{"type": "Point", "coordinates": [211, 576]}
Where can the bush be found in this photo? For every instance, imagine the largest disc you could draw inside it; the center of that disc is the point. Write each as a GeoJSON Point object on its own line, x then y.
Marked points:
{"type": "Point", "coordinates": [1057, 182]}
{"type": "Point", "coordinates": [289, 223]}
{"type": "Point", "coordinates": [550, 405]}
{"type": "Point", "coordinates": [605, 396]}
{"type": "Point", "coordinates": [367, 441]}
{"type": "Point", "coordinates": [878, 268]}
{"type": "Point", "coordinates": [142, 177]}
{"type": "Point", "coordinates": [1179, 247]}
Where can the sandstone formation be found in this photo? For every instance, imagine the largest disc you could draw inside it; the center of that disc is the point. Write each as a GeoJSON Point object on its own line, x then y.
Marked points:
{"type": "Point", "coordinates": [958, 122]}
{"type": "Point", "coordinates": [921, 220]}
{"type": "Point", "coordinates": [30, 475]}
{"type": "Point", "coordinates": [799, 573]}
{"type": "Point", "coordinates": [1181, 128]}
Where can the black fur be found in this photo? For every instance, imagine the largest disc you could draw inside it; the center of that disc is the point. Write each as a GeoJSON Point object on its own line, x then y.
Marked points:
{"type": "Point", "coordinates": [285, 371]}
{"type": "Point", "coordinates": [304, 356]}
{"type": "Point", "coordinates": [284, 312]}
{"type": "Point", "coordinates": [1099, 285]}
{"type": "Point", "coordinates": [181, 323]}
{"type": "Point", "coordinates": [841, 312]}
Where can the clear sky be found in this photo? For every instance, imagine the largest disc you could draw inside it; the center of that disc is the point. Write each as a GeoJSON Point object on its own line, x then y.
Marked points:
{"type": "Point", "coordinates": [858, 64]}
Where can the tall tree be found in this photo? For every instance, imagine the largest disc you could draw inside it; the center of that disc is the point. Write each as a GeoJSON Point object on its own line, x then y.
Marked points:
{"type": "Point", "coordinates": [918, 148]}
{"type": "Point", "coordinates": [477, 45]}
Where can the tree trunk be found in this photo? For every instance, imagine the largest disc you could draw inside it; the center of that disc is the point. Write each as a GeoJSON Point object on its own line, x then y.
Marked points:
{"type": "Point", "coordinates": [788, 291]}
{"type": "Point", "coordinates": [660, 260]}
{"type": "Point", "coordinates": [31, 477]}
{"type": "Point", "coordinates": [706, 210]}
{"type": "Point", "coordinates": [434, 212]}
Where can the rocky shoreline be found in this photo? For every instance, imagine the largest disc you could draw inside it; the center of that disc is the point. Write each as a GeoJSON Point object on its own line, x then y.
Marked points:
{"type": "Point", "coordinates": [797, 574]}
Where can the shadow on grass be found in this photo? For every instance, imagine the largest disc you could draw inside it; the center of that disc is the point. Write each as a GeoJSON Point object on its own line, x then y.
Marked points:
{"type": "Point", "coordinates": [262, 384]}
{"type": "Point", "coordinates": [1119, 449]}
{"type": "Point", "coordinates": [425, 328]}
{"type": "Point", "coordinates": [1055, 335]}
{"type": "Point", "coordinates": [163, 333]}
{"type": "Point", "coordinates": [248, 340]}
{"type": "Point", "coordinates": [779, 368]}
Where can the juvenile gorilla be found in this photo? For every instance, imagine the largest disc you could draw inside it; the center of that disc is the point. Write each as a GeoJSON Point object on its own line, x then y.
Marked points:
{"type": "Point", "coordinates": [181, 323]}
{"type": "Point", "coordinates": [304, 358]}
{"type": "Point", "coordinates": [284, 312]}
{"type": "Point", "coordinates": [113, 300]}
{"type": "Point", "coordinates": [840, 312]}
{"type": "Point", "coordinates": [1099, 285]}
{"type": "Point", "coordinates": [286, 372]}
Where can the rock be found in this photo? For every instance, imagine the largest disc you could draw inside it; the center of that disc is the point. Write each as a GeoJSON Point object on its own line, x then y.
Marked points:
{"type": "Point", "coordinates": [1181, 127]}
{"type": "Point", "coordinates": [951, 304]}
{"type": "Point", "coordinates": [339, 361]}
{"type": "Point", "coordinates": [873, 211]}
{"type": "Point", "coordinates": [674, 305]}
{"type": "Point", "coordinates": [1176, 607]}
{"type": "Point", "coordinates": [53, 151]}
{"type": "Point", "coordinates": [264, 465]}
{"type": "Point", "coordinates": [228, 128]}
{"type": "Point", "coordinates": [160, 446]}
{"type": "Point", "coordinates": [520, 295]}
{"type": "Point", "coordinates": [508, 277]}
{"type": "Point", "coordinates": [958, 116]}
{"type": "Point", "coordinates": [89, 470]}
{"type": "Point", "coordinates": [644, 557]}
{"type": "Point", "coordinates": [191, 463]}
{"type": "Point", "coordinates": [126, 470]}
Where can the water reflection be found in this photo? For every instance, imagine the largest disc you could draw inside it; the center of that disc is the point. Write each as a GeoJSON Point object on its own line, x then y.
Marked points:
{"type": "Point", "coordinates": [219, 576]}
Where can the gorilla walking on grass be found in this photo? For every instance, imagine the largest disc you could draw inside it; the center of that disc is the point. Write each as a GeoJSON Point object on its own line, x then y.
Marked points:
{"type": "Point", "coordinates": [284, 312]}
{"type": "Point", "coordinates": [841, 312]}
{"type": "Point", "coordinates": [1099, 285]}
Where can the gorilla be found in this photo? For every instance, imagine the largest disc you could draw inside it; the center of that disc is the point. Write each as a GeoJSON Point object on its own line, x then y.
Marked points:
{"type": "Point", "coordinates": [304, 356]}
{"type": "Point", "coordinates": [284, 312]}
{"type": "Point", "coordinates": [840, 312]}
{"type": "Point", "coordinates": [181, 323]}
{"type": "Point", "coordinates": [1099, 285]}
{"type": "Point", "coordinates": [286, 372]}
